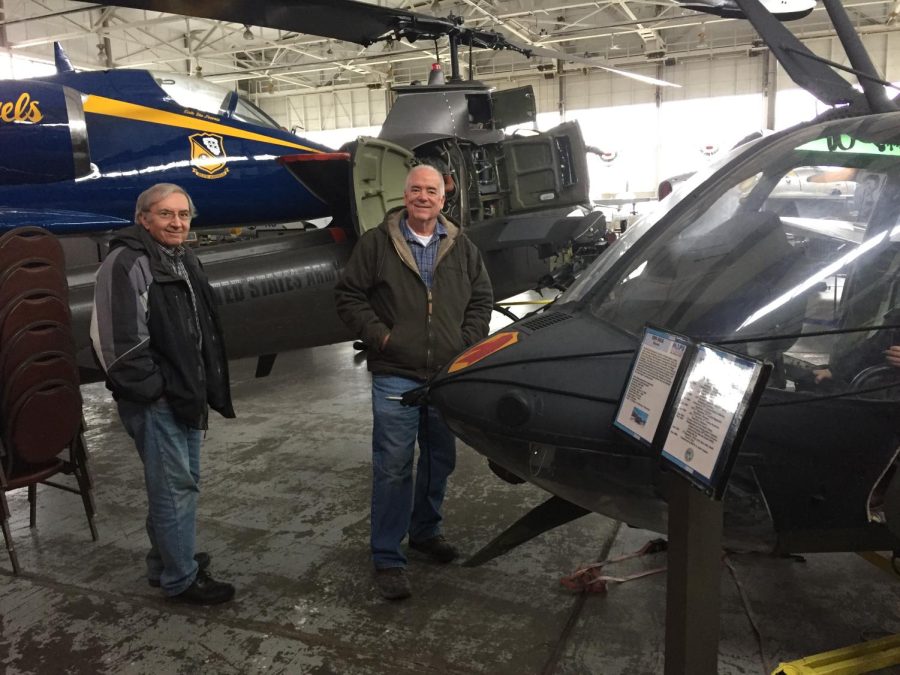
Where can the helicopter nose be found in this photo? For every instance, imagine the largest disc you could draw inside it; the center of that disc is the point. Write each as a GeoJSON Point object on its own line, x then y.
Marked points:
{"type": "Point", "coordinates": [548, 376]}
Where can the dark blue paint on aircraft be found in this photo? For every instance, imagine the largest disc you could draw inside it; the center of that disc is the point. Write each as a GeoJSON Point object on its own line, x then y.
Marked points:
{"type": "Point", "coordinates": [76, 148]}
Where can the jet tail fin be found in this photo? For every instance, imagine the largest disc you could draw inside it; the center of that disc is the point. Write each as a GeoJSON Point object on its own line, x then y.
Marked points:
{"type": "Point", "coordinates": [63, 65]}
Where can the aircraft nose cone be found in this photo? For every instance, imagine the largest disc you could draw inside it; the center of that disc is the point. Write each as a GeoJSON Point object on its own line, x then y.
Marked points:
{"type": "Point", "coordinates": [513, 409]}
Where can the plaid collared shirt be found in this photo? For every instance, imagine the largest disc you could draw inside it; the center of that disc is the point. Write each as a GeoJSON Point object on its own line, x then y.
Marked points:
{"type": "Point", "coordinates": [425, 255]}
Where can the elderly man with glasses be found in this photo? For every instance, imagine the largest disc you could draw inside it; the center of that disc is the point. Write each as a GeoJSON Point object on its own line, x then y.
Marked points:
{"type": "Point", "coordinates": [157, 336]}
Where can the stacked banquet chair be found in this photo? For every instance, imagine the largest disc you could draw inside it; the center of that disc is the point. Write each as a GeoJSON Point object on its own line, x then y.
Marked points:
{"type": "Point", "coordinates": [41, 422]}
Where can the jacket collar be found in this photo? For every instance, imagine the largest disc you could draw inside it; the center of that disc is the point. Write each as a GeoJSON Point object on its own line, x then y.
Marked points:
{"type": "Point", "coordinates": [137, 238]}
{"type": "Point", "coordinates": [407, 232]}
{"type": "Point", "coordinates": [392, 220]}
{"type": "Point", "coordinates": [391, 227]}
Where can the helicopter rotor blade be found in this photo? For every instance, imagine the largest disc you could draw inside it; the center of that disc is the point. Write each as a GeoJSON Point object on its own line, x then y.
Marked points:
{"type": "Point", "coordinates": [347, 20]}
{"type": "Point", "coordinates": [356, 22]}
{"type": "Point", "coordinates": [596, 63]}
{"type": "Point", "coordinates": [800, 63]}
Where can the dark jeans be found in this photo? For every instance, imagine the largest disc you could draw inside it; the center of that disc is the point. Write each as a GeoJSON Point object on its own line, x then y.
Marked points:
{"type": "Point", "coordinates": [398, 506]}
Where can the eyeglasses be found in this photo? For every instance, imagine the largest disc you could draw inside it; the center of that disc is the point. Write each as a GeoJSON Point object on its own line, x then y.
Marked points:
{"type": "Point", "coordinates": [166, 214]}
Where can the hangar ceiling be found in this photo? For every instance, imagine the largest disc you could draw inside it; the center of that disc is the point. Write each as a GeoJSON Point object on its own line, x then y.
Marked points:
{"type": "Point", "coordinates": [641, 35]}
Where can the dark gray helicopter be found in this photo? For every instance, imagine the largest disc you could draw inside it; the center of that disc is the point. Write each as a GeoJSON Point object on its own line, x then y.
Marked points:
{"type": "Point", "coordinates": [786, 250]}
{"type": "Point", "coordinates": [513, 194]}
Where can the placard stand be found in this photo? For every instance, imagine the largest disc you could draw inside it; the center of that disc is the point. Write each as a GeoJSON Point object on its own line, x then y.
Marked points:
{"type": "Point", "coordinates": [692, 403]}
{"type": "Point", "coordinates": [693, 581]}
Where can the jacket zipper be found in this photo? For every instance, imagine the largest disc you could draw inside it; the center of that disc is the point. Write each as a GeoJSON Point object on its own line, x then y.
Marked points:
{"type": "Point", "coordinates": [429, 300]}
{"type": "Point", "coordinates": [428, 332]}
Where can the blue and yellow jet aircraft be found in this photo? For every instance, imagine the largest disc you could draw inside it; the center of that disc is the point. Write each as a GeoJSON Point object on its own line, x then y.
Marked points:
{"type": "Point", "coordinates": [78, 146]}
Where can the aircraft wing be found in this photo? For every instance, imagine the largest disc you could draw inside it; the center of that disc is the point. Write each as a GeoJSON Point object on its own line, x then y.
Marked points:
{"type": "Point", "coordinates": [822, 228]}
{"type": "Point", "coordinates": [622, 199]}
{"type": "Point", "coordinates": [58, 221]}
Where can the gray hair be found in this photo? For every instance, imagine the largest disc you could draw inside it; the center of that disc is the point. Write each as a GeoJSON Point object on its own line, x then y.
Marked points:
{"type": "Point", "coordinates": [157, 193]}
{"type": "Point", "coordinates": [427, 167]}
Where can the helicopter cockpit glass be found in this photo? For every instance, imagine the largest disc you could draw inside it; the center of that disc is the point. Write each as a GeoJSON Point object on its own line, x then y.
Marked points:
{"type": "Point", "coordinates": [192, 92]}
{"type": "Point", "coordinates": [792, 257]}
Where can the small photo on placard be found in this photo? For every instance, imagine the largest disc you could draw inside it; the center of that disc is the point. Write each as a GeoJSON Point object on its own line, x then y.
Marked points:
{"type": "Point", "coordinates": [650, 383]}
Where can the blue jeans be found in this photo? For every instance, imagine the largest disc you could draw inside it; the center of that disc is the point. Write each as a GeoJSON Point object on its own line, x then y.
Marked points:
{"type": "Point", "coordinates": [170, 452]}
{"type": "Point", "coordinates": [398, 506]}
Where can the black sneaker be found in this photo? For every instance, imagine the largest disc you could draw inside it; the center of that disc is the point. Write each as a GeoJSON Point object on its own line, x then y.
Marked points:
{"type": "Point", "coordinates": [437, 548]}
{"type": "Point", "coordinates": [206, 591]}
{"type": "Point", "coordinates": [392, 583]}
{"type": "Point", "coordinates": [202, 559]}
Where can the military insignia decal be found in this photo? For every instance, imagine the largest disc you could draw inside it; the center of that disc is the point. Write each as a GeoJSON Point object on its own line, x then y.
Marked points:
{"type": "Point", "coordinates": [483, 349]}
{"type": "Point", "coordinates": [208, 155]}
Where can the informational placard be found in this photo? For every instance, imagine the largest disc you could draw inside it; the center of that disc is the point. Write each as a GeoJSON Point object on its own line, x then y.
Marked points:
{"type": "Point", "coordinates": [692, 402]}
{"type": "Point", "coordinates": [710, 404]}
{"type": "Point", "coordinates": [650, 383]}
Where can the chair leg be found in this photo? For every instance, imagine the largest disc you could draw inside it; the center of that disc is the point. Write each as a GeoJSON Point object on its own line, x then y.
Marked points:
{"type": "Point", "coordinates": [7, 534]}
{"type": "Point", "coordinates": [32, 505]}
{"type": "Point", "coordinates": [82, 454]}
{"type": "Point", "coordinates": [85, 483]}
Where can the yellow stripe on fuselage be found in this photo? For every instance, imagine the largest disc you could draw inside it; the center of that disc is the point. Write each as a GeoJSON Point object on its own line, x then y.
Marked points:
{"type": "Point", "coordinates": [108, 106]}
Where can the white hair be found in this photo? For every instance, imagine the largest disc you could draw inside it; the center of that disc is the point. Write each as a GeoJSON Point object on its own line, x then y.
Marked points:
{"type": "Point", "coordinates": [157, 193]}
{"type": "Point", "coordinates": [425, 167]}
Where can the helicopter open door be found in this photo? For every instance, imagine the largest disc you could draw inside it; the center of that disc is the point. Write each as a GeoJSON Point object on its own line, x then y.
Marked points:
{"type": "Point", "coordinates": [512, 106]}
{"type": "Point", "coordinates": [378, 176]}
{"type": "Point", "coordinates": [546, 169]}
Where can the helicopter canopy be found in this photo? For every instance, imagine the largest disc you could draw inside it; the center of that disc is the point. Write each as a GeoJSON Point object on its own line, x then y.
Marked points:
{"type": "Point", "coordinates": [789, 250]}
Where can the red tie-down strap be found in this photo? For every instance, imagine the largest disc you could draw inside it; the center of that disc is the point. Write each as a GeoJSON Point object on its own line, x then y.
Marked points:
{"type": "Point", "coordinates": [590, 578]}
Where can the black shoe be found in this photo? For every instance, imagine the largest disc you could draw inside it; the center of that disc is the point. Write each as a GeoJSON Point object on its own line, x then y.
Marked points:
{"type": "Point", "coordinates": [202, 559]}
{"type": "Point", "coordinates": [206, 591]}
{"type": "Point", "coordinates": [436, 547]}
{"type": "Point", "coordinates": [392, 583]}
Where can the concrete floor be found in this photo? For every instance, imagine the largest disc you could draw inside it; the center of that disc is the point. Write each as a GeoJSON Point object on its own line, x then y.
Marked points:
{"type": "Point", "coordinates": [284, 514]}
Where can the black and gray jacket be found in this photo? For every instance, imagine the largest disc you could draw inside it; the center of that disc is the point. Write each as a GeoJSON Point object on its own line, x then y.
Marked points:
{"type": "Point", "coordinates": [147, 335]}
